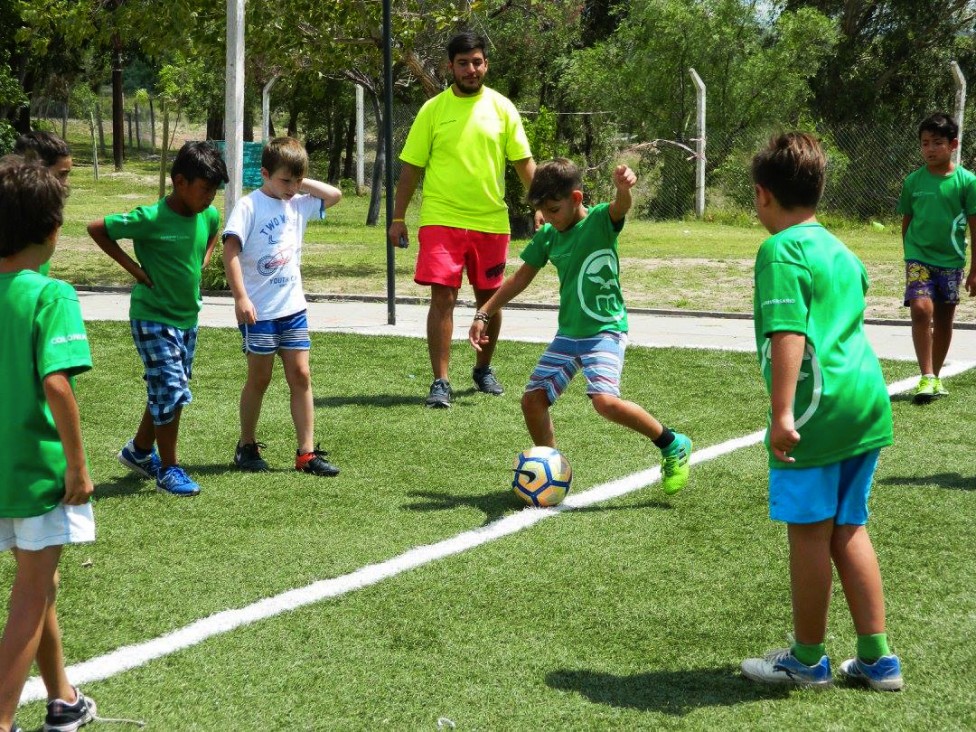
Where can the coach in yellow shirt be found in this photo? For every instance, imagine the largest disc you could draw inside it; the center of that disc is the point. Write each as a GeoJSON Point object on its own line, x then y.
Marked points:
{"type": "Point", "coordinates": [460, 142]}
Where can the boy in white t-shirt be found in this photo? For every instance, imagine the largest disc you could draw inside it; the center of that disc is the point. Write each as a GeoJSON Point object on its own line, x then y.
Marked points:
{"type": "Point", "coordinates": [262, 259]}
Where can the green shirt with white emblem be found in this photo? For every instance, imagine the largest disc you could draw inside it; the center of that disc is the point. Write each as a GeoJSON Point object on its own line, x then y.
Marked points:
{"type": "Point", "coordinates": [585, 258]}
{"type": "Point", "coordinates": [808, 282]}
{"type": "Point", "coordinates": [939, 206]}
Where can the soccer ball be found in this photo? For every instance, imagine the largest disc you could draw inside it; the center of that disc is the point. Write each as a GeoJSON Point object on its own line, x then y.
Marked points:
{"type": "Point", "coordinates": [542, 476]}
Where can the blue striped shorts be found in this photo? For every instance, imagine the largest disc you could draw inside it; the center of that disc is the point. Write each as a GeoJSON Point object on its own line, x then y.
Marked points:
{"type": "Point", "coordinates": [167, 354]}
{"type": "Point", "coordinates": [266, 337]}
{"type": "Point", "coordinates": [601, 358]}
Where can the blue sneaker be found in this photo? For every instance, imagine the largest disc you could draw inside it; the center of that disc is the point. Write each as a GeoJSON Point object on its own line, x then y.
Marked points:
{"type": "Point", "coordinates": [147, 467]}
{"type": "Point", "coordinates": [64, 717]}
{"type": "Point", "coordinates": [782, 667]}
{"type": "Point", "coordinates": [176, 482]}
{"type": "Point", "coordinates": [882, 675]}
{"type": "Point", "coordinates": [674, 464]}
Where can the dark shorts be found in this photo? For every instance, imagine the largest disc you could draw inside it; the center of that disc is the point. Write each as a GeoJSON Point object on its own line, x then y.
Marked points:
{"type": "Point", "coordinates": [936, 283]}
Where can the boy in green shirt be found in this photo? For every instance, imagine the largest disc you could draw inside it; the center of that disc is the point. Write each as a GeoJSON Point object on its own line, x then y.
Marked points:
{"type": "Point", "coordinates": [592, 335]}
{"type": "Point", "coordinates": [937, 202]}
{"type": "Point", "coordinates": [829, 417]}
{"type": "Point", "coordinates": [173, 241]}
{"type": "Point", "coordinates": [44, 482]}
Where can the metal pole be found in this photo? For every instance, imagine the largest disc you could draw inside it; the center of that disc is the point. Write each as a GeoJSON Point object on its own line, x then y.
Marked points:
{"type": "Point", "coordinates": [388, 135]}
{"type": "Point", "coordinates": [700, 146]}
{"type": "Point", "coordinates": [234, 104]}
{"type": "Point", "coordinates": [960, 106]}
{"type": "Point", "coordinates": [266, 108]}
{"type": "Point", "coordinates": [360, 141]}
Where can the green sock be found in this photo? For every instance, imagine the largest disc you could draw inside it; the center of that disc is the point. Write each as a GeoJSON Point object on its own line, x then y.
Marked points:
{"type": "Point", "coordinates": [872, 647]}
{"type": "Point", "coordinates": [809, 654]}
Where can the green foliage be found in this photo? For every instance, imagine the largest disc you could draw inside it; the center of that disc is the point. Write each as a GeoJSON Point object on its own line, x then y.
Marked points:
{"type": "Point", "coordinates": [213, 277]}
{"type": "Point", "coordinates": [8, 136]}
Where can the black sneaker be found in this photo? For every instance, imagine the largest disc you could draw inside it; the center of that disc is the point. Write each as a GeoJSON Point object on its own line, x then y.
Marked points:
{"type": "Point", "coordinates": [315, 463]}
{"type": "Point", "coordinates": [440, 394]}
{"type": "Point", "coordinates": [248, 457]}
{"type": "Point", "coordinates": [64, 717]}
{"type": "Point", "coordinates": [484, 380]}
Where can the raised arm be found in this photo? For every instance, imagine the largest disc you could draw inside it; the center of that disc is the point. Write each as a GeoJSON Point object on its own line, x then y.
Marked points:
{"type": "Point", "coordinates": [98, 232]}
{"type": "Point", "coordinates": [406, 185]}
{"type": "Point", "coordinates": [330, 195]}
{"type": "Point", "coordinates": [510, 289]}
{"type": "Point", "coordinates": [623, 179]}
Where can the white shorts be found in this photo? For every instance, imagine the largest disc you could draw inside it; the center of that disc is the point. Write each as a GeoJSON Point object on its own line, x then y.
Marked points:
{"type": "Point", "coordinates": [61, 525]}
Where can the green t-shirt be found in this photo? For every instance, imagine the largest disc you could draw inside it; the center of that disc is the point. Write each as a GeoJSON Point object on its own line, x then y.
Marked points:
{"type": "Point", "coordinates": [585, 257]}
{"type": "Point", "coordinates": [170, 248]}
{"type": "Point", "coordinates": [42, 333]}
{"type": "Point", "coordinates": [463, 144]}
{"type": "Point", "coordinates": [939, 206]}
{"type": "Point", "coordinates": [808, 282]}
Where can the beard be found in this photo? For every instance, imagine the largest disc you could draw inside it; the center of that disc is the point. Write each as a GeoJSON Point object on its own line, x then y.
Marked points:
{"type": "Point", "coordinates": [469, 86]}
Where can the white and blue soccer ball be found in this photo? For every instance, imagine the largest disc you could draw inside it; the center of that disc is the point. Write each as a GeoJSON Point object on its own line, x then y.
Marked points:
{"type": "Point", "coordinates": [542, 477]}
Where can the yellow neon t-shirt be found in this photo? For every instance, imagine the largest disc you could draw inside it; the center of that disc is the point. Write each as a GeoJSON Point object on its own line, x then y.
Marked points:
{"type": "Point", "coordinates": [463, 144]}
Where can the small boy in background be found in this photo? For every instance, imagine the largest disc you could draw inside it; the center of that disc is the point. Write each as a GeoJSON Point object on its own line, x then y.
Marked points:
{"type": "Point", "coordinates": [582, 244]}
{"type": "Point", "coordinates": [937, 202]}
{"type": "Point", "coordinates": [173, 240]}
{"type": "Point", "coordinates": [830, 415]}
{"type": "Point", "coordinates": [44, 482]}
{"type": "Point", "coordinates": [262, 260]}
{"type": "Point", "coordinates": [49, 150]}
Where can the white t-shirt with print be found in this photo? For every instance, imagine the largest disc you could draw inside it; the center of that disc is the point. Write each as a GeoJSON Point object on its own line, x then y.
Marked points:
{"type": "Point", "coordinates": [271, 231]}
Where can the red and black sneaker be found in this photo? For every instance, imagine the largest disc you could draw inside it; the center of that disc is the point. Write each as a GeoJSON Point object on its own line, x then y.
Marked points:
{"type": "Point", "coordinates": [315, 463]}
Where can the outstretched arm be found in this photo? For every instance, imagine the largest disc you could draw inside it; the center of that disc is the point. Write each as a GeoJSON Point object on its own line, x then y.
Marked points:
{"type": "Point", "coordinates": [98, 232]}
{"type": "Point", "coordinates": [406, 185]}
{"type": "Point", "coordinates": [623, 179]}
{"type": "Point", "coordinates": [330, 195]}
{"type": "Point", "coordinates": [511, 288]}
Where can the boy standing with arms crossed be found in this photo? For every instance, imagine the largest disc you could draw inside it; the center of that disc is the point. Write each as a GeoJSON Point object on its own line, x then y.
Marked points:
{"type": "Point", "coordinates": [830, 415]}
{"type": "Point", "coordinates": [937, 202]}
{"type": "Point", "coordinates": [592, 335]}
{"type": "Point", "coordinates": [173, 241]}
{"type": "Point", "coordinates": [44, 482]}
{"type": "Point", "coordinates": [262, 259]}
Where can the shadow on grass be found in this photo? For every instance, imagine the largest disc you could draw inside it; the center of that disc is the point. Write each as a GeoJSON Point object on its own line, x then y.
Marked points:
{"type": "Point", "coordinates": [498, 503]}
{"type": "Point", "coordinates": [391, 400]}
{"type": "Point", "coordinates": [952, 481]}
{"type": "Point", "coordinates": [667, 692]}
{"type": "Point", "coordinates": [131, 484]}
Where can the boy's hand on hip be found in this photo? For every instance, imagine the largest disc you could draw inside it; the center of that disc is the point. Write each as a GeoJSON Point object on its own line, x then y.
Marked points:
{"type": "Point", "coordinates": [78, 487]}
{"type": "Point", "coordinates": [142, 277]}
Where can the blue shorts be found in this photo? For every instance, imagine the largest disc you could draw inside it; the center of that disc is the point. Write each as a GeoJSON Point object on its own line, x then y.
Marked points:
{"type": "Point", "coordinates": [266, 337]}
{"type": "Point", "coordinates": [167, 354]}
{"type": "Point", "coordinates": [601, 358]}
{"type": "Point", "coordinates": [936, 283]}
{"type": "Point", "coordinates": [838, 491]}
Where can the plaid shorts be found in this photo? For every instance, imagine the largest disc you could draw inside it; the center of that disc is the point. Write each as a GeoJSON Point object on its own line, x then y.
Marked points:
{"type": "Point", "coordinates": [936, 283]}
{"type": "Point", "coordinates": [167, 354]}
{"type": "Point", "coordinates": [601, 358]}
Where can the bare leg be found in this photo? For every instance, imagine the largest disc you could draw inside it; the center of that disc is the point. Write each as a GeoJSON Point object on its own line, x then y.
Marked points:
{"type": "Point", "coordinates": [811, 575]}
{"type": "Point", "coordinates": [627, 414]}
{"type": "Point", "coordinates": [943, 316]}
{"type": "Point", "coordinates": [922, 310]}
{"type": "Point", "coordinates": [440, 328]}
{"type": "Point", "coordinates": [860, 576]}
{"type": "Point", "coordinates": [494, 328]}
{"type": "Point", "coordinates": [259, 370]}
{"type": "Point", "coordinates": [146, 433]}
{"type": "Point", "coordinates": [166, 436]}
{"type": "Point", "coordinates": [535, 409]}
{"type": "Point", "coordinates": [299, 378]}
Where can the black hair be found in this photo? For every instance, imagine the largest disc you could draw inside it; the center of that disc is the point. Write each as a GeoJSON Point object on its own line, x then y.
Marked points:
{"type": "Point", "coordinates": [465, 42]}
{"type": "Point", "coordinates": [31, 204]}
{"type": "Point", "coordinates": [792, 167]}
{"type": "Point", "coordinates": [939, 124]}
{"type": "Point", "coordinates": [200, 160]}
{"type": "Point", "coordinates": [44, 146]}
{"type": "Point", "coordinates": [554, 180]}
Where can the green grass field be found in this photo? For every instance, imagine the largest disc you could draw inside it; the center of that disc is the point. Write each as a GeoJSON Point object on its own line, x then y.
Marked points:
{"type": "Point", "coordinates": [629, 614]}
{"type": "Point", "coordinates": [681, 265]}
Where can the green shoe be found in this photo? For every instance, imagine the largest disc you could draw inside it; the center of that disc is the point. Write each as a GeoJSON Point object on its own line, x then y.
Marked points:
{"type": "Point", "coordinates": [674, 464]}
{"type": "Point", "coordinates": [926, 390]}
{"type": "Point", "coordinates": [939, 389]}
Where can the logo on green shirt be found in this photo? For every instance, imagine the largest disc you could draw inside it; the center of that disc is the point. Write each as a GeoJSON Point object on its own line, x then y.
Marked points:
{"type": "Point", "coordinates": [600, 269]}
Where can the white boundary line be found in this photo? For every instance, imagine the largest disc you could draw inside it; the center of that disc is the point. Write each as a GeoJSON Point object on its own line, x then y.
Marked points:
{"type": "Point", "coordinates": [139, 654]}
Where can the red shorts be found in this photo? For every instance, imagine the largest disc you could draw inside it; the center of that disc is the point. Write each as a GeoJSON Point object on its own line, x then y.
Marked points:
{"type": "Point", "coordinates": [446, 251]}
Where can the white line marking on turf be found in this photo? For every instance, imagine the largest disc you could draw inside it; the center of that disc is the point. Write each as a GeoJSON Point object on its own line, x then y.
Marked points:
{"type": "Point", "coordinates": [129, 657]}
